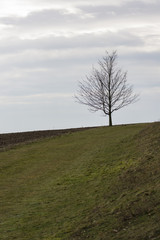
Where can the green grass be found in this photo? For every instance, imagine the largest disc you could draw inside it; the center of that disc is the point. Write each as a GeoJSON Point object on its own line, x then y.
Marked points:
{"type": "Point", "coordinates": [98, 184]}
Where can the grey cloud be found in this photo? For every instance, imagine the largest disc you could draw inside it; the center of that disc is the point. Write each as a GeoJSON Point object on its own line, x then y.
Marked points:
{"type": "Point", "coordinates": [41, 19]}
{"type": "Point", "coordinates": [32, 75]}
{"type": "Point", "coordinates": [131, 8]}
{"type": "Point", "coordinates": [108, 39]}
{"type": "Point", "coordinates": [56, 18]}
{"type": "Point", "coordinates": [143, 68]}
{"type": "Point", "coordinates": [152, 57]}
{"type": "Point", "coordinates": [54, 21]}
{"type": "Point", "coordinates": [49, 65]}
{"type": "Point", "coordinates": [38, 82]}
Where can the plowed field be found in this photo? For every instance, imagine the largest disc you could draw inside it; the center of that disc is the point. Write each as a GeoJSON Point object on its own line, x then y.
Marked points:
{"type": "Point", "coordinates": [11, 139]}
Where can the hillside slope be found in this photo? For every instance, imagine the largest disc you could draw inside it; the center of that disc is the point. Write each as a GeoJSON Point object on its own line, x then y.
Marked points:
{"type": "Point", "coordinates": [99, 184]}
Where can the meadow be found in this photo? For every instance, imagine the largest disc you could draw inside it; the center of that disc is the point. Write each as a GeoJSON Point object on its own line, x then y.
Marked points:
{"type": "Point", "coordinates": [98, 184]}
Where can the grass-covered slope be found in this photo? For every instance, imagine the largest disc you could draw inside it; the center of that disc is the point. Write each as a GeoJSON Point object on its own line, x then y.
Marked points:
{"type": "Point", "coordinates": [99, 184]}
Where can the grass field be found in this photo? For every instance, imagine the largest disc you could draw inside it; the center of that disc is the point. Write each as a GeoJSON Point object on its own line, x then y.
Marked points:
{"type": "Point", "coordinates": [98, 184]}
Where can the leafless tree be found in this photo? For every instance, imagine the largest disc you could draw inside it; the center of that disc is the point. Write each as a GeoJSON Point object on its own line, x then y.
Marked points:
{"type": "Point", "coordinates": [106, 89]}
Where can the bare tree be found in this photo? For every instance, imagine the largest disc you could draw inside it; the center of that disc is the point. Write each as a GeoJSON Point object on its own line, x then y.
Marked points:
{"type": "Point", "coordinates": [106, 89]}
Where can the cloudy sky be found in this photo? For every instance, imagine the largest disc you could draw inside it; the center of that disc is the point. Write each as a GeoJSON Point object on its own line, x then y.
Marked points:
{"type": "Point", "coordinates": [47, 46]}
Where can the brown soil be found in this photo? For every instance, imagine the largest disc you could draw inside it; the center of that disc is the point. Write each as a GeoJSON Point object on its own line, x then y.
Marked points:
{"type": "Point", "coordinates": [11, 139]}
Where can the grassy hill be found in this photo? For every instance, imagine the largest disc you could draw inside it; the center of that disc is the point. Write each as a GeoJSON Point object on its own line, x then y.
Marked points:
{"type": "Point", "coordinates": [98, 184]}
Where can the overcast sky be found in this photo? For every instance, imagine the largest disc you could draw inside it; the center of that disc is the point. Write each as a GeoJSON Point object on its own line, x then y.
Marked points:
{"type": "Point", "coordinates": [47, 46]}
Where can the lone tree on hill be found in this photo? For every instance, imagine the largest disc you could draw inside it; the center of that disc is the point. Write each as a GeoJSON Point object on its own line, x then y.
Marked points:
{"type": "Point", "coordinates": [106, 89]}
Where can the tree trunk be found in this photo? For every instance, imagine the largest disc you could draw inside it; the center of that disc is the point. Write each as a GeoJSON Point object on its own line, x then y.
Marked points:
{"type": "Point", "coordinates": [110, 119]}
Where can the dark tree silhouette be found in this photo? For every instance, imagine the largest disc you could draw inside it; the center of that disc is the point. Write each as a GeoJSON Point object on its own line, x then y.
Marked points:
{"type": "Point", "coordinates": [106, 89]}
